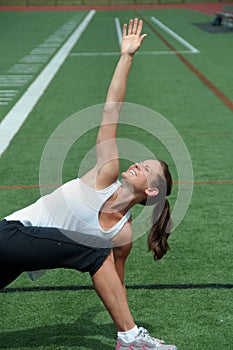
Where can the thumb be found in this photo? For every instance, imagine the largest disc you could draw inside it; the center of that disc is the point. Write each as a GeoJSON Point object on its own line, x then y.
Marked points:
{"type": "Point", "coordinates": [142, 37]}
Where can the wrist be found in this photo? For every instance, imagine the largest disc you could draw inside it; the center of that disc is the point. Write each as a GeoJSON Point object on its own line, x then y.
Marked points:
{"type": "Point", "coordinates": [127, 56]}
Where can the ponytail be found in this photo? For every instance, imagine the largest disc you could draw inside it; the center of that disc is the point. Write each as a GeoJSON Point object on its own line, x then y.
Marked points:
{"type": "Point", "coordinates": [160, 230]}
{"type": "Point", "coordinates": [161, 219]}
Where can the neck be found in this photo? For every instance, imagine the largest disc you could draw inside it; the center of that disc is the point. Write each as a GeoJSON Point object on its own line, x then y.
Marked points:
{"type": "Point", "coordinates": [126, 197]}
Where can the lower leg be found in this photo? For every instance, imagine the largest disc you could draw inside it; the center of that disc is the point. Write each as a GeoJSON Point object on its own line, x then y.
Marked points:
{"type": "Point", "coordinates": [110, 290]}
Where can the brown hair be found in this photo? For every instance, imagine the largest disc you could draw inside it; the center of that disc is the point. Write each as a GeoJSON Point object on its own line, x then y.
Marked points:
{"type": "Point", "coordinates": [161, 217]}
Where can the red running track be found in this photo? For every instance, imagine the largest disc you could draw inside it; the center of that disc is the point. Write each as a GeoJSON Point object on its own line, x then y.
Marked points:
{"type": "Point", "coordinates": [209, 8]}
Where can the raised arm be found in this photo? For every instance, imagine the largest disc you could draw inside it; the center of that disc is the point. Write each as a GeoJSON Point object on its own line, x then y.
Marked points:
{"type": "Point", "coordinates": [107, 162]}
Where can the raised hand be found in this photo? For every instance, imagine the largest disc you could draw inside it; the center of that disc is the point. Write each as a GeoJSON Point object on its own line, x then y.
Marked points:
{"type": "Point", "coordinates": [132, 40]}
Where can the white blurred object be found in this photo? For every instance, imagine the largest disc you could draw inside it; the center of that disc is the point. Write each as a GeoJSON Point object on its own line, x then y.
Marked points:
{"type": "Point", "coordinates": [34, 275]}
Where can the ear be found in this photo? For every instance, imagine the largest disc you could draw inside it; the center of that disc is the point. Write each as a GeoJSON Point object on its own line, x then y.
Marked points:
{"type": "Point", "coordinates": [152, 191]}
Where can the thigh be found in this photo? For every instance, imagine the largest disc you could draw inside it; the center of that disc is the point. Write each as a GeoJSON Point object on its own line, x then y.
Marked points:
{"type": "Point", "coordinates": [36, 248]}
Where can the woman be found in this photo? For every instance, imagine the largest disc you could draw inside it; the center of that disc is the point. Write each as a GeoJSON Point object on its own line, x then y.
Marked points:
{"type": "Point", "coordinates": [77, 225]}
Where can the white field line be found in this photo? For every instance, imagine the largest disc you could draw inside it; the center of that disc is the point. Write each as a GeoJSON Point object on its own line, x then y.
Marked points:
{"type": "Point", "coordinates": [191, 49]}
{"type": "Point", "coordinates": [117, 53]}
{"type": "Point", "coordinates": [118, 29]}
{"type": "Point", "coordinates": [174, 35]}
{"type": "Point", "coordinates": [19, 113]}
{"type": "Point", "coordinates": [93, 54]}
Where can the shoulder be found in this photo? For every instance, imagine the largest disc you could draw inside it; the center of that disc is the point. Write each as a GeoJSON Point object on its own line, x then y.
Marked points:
{"type": "Point", "coordinates": [100, 178]}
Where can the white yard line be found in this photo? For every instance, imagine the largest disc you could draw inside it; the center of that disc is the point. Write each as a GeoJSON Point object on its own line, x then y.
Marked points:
{"type": "Point", "coordinates": [24, 71]}
{"type": "Point", "coordinates": [117, 53]}
{"type": "Point", "coordinates": [94, 54]}
{"type": "Point", "coordinates": [191, 49]}
{"type": "Point", "coordinates": [174, 35]}
{"type": "Point", "coordinates": [19, 113]}
{"type": "Point", "coordinates": [152, 53]}
{"type": "Point", "coordinates": [119, 31]}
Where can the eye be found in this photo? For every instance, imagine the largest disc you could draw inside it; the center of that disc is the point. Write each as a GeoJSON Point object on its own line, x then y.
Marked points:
{"type": "Point", "coordinates": [146, 167]}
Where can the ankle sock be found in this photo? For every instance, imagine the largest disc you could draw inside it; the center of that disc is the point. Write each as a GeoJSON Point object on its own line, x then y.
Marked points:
{"type": "Point", "coordinates": [128, 336]}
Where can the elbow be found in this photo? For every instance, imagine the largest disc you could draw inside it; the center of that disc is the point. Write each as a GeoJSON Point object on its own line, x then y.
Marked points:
{"type": "Point", "coordinates": [112, 109]}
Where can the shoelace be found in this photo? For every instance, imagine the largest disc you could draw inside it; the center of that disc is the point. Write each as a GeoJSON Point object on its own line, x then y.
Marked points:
{"type": "Point", "coordinates": [145, 334]}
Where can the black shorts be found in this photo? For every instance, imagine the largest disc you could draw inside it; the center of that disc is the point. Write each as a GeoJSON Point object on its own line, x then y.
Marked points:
{"type": "Point", "coordinates": [37, 248]}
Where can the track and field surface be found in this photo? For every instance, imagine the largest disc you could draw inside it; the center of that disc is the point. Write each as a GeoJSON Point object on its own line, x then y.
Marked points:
{"type": "Point", "coordinates": [186, 298]}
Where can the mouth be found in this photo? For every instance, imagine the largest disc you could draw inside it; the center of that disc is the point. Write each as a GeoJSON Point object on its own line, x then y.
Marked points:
{"type": "Point", "coordinates": [133, 172]}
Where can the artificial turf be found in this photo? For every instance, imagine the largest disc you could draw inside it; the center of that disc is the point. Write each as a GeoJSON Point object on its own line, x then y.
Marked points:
{"type": "Point", "coordinates": [201, 246]}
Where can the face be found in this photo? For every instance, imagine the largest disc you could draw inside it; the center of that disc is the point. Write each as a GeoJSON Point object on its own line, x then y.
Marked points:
{"type": "Point", "coordinates": [142, 175]}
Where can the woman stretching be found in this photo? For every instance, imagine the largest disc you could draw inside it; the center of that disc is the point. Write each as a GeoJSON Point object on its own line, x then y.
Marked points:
{"type": "Point", "coordinates": [86, 225]}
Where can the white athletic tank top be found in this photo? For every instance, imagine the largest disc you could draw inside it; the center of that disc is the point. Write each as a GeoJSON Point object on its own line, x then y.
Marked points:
{"type": "Point", "coordinates": [73, 206]}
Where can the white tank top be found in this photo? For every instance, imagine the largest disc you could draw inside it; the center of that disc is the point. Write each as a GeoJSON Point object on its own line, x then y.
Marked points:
{"type": "Point", "coordinates": [73, 206]}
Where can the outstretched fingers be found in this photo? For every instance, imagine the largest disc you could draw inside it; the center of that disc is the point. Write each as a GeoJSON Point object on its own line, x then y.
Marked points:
{"type": "Point", "coordinates": [135, 26]}
{"type": "Point", "coordinates": [132, 37]}
{"type": "Point", "coordinates": [130, 28]}
{"type": "Point", "coordinates": [139, 27]}
{"type": "Point", "coordinates": [124, 29]}
{"type": "Point", "coordinates": [139, 30]}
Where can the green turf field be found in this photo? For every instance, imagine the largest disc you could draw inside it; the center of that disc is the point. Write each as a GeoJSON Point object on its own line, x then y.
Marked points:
{"type": "Point", "coordinates": [187, 297]}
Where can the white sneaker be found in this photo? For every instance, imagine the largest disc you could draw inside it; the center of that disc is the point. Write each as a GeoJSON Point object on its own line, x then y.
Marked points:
{"type": "Point", "coordinates": [143, 341]}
